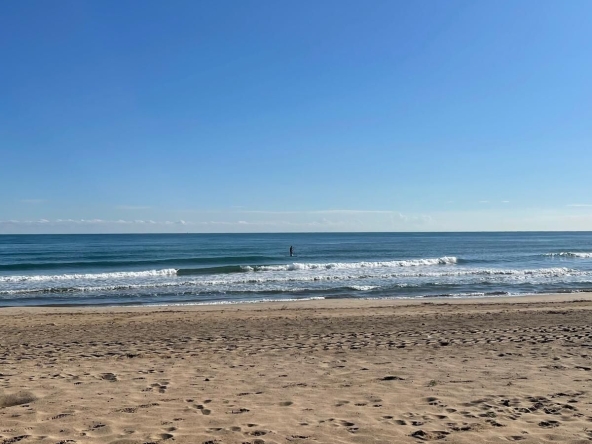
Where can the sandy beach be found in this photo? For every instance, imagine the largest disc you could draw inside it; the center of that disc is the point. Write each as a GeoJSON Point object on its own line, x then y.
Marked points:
{"type": "Point", "coordinates": [335, 371]}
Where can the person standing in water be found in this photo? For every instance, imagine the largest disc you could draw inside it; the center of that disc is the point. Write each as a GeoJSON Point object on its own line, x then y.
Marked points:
{"type": "Point", "coordinates": [291, 250]}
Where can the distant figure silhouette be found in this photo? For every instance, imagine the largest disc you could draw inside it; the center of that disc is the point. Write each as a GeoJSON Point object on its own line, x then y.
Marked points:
{"type": "Point", "coordinates": [291, 250]}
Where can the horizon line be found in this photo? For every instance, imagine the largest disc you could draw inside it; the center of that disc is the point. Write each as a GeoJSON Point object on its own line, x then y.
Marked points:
{"type": "Point", "coordinates": [300, 232]}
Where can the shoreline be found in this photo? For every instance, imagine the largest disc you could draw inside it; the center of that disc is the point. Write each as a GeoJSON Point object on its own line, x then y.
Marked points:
{"type": "Point", "coordinates": [333, 303]}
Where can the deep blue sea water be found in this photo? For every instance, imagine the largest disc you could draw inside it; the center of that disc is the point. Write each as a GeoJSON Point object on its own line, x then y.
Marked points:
{"type": "Point", "coordinates": [221, 268]}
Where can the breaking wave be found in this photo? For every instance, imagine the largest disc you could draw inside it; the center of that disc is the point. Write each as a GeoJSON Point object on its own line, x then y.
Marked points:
{"type": "Point", "coordinates": [167, 280]}
{"type": "Point", "coordinates": [230, 269]}
{"type": "Point", "coordinates": [571, 254]}
{"type": "Point", "coordinates": [90, 276]}
{"type": "Point", "coordinates": [351, 265]}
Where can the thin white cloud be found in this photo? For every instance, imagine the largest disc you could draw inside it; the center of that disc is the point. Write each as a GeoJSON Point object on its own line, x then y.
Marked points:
{"type": "Point", "coordinates": [237, 210]}
{"type": "Point", "coordinates": [579, 205]}
{"type": "Point", "coordinates": [505, 201]}
{"type": "Point", "coordinates": [233, 221]}
{"type": "Point", "coordinates": [318, 212]}
{"type": "Point", "coordinates": [267, 223]}
{"type": "Point", "coordinates": [86, 222]}
{"type": "Point", "coordinates": [415, 219]}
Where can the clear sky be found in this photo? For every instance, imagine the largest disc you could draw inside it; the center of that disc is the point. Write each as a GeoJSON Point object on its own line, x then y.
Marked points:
{"type": "Point", "coordinates": [201, 116]}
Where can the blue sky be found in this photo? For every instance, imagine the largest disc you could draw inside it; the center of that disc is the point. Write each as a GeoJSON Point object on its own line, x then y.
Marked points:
{"type": "Point", "coordinates": [129, 116]}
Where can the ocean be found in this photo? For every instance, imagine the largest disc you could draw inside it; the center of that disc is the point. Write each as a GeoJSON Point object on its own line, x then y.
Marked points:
{"type": "Point", "coordinates": [168, 269]}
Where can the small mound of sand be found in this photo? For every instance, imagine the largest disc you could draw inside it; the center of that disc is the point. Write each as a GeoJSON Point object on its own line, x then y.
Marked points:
{"type": "Point", "coordinates": [19, 398]}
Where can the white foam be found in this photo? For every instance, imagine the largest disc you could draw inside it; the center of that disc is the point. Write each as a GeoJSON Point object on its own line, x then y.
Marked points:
{"type": "Point", "coordinates": [571, 254]}
{"type": "Point", "coordinates": [256, 301]}
{"type": "Point", "coordinates": [363, 287]}
{"type": "Point", "coordinates": [354, 274]}
{"type": "Point", "coordinates": [555, 271]}
{"type": "Point", "coordinates": [232, 282]}
{"type": "Point", "coordinates": [89, 276]}
{"type": "Point", "coordinates": [446, 260]}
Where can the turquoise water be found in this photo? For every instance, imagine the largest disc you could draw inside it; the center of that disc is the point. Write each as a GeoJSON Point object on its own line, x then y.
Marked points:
{"type": "Point", "coordinates": [223, 268]}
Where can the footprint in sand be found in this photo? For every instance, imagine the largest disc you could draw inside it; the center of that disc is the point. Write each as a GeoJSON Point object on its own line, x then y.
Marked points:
{"type": "Point", "coordinates": [160, 387]}
{"type": "Point", "coordinates": [111, 377]}
{"type": "Point", "coordinates": [15, 439]}
{"type": "Point", "coordinates": [203, 410]}
{"type": "Point", "coordinates": [162, 436]}
{"type": "Point", "coordinates": [392, 378]}
{"type": "Point", "coordinates": [61, 415]}
{"type": "Point", "coordinates": [258, 433]}
{"type": "Point", "coordinates": [428, 436]}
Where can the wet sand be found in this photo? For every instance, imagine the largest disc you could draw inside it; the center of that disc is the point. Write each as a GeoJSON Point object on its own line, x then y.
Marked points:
{"type": "Point", "coordinates": [340, 371]}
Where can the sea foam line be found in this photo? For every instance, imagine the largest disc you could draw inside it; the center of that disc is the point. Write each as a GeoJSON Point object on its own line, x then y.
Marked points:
{"type": "Point", "coordinates": [571, 254]}
{"type": "Point", "coordinates": [262, 283]}
{"type": "Point", "coordinates": [254, 301]}
{"type": "Point", "coordinates": [258, 279]}
{"type": "Point", "coordinates": [90, 276]}
{"type": "Point", "coordinates": [285, 267]}
{"type": "Point", "coordinates": [446, 260]}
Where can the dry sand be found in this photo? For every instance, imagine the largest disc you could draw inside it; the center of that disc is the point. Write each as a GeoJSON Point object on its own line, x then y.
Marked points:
{"type": "Point", "coordinates": [324, 371]}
